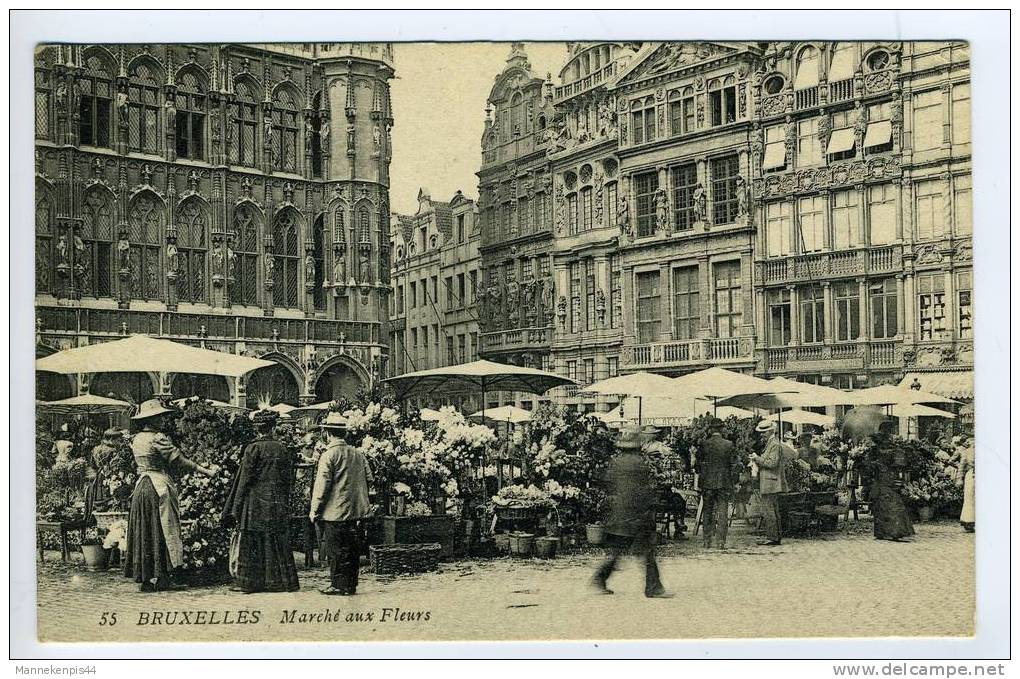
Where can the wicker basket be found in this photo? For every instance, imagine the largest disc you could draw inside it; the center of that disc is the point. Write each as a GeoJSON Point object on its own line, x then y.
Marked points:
{"type": "Point", "coordinates": [393, 559]}
{"type": "Point", "coordinates": [518, 513]}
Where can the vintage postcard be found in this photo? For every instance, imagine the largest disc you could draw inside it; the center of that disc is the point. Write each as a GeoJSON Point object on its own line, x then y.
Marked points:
{"type": "Point", "coordinates": [503, 341]}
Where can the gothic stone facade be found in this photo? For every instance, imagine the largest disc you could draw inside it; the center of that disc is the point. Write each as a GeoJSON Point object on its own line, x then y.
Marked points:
{"type": "Point", "coordinates": [233, 196]}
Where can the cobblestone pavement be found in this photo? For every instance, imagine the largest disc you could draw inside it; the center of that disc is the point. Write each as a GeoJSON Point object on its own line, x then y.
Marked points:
{"type": "Point", "coordinates": [836, 585]}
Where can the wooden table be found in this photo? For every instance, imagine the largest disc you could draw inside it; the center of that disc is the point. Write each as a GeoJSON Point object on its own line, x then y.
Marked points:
{"type": "Point", "coordinates": [63, 527]}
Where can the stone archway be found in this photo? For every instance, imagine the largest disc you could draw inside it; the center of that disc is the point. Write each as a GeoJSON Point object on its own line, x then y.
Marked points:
{"type": "Point", "coordinates": [271, 385]}
{"type": "Point", "coordinates": [339, 378]}
{"type": "Point", "coordinates": [214, 387]}
{"type": "Point", "coordinates": [131, 387]}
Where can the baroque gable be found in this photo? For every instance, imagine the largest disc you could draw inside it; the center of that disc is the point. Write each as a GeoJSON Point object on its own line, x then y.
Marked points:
{"type": "Point", "coordinates": [662, 58]}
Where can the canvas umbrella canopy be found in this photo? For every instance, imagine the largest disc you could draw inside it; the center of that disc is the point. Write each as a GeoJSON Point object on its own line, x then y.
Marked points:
{"type": "Point", "coordinates": [639, 385]}
{"type": "Point", "coordinates": [666, 412]}
{"type": "Point", "coordinates": [313, 409]}
{"type": "Point", "coordinates": [802, 417]}
{"type": "Point", "coordinates": [918, 410]}
{"type": "Point", "coordinates": [86, 404]}
{"type": "Point", "coordinates": [141, 353]}
{"type": "Point", "coordinates": [477, 375]}
{"type": "Point", "coordinates": [219, 405]}
{"type": "Point", "coordinates": [428, 415]}
{"type": "Point", "coordinates": [793, 394]}
{"type": "Point", "coordinates": [891, 395]}
{"type": "Point", "coordinates": [284, 409]}
{"type": "Point", "coordinates": [719, 383]}
{"type": "Point", "coordinates": [862, 422]}
{"type": "Point", "coordinates": [511, 414]}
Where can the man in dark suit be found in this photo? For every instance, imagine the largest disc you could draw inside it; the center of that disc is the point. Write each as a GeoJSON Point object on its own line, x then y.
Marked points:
{"type": "Point", "coordinates": [631, 524]}
{"type": "Point", "coordinates": [717, 477]}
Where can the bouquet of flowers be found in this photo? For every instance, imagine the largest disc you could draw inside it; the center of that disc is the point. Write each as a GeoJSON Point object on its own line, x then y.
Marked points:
{"type": "Point", "coordinates": [520, 496]}
{"type": "Point", "coordinates": [116, 536]}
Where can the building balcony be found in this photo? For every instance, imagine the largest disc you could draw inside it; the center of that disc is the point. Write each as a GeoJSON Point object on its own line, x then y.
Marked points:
{"type": "Point", "coordinates": [563, 92]}
{"type": "Point", "coordinates": [516, 339]}
{"type": "Point", "coordinates": [828, 265]}
{"type": "Point", "coordinates": [172, 324]}
{"type": "Point", "coordinates": [689, 353]}
{"type": "Point", "coordinates": [835, 356]}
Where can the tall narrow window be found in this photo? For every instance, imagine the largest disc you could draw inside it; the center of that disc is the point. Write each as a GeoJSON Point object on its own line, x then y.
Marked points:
{"type": "Point", "coordinates": [143, 110]}
{"type": "Point", "coordinates": [930, 215]}
{"type": "Point", "coordinates": [779, 318]}
{"type": "Point", "coordinates": [690, 114]}
{"type": "Point", "coordinates": [145, 221]}
{"type": "Point", "coordinates": [809, 146]}
{"type": "Point", "coordinates": [686, 306]}
{"type": "Point", "coordinates": [961, 113]}
{"type": "Point", "coordinates": [811, 213]}
{"type": "Point", "coordinates": [589, 294]}
{"type": "Point", "coordinates": [316, 136]}
{"type": "Point", "coordinates": [575, 297]}
{"type": "Point", "coordinates": [461, 231]}
{"type": "Point", "coordinates": [676, 116]}
{"type": "Point", "coordinates": [846, 219]}
{"type": "Point", "coordinates": [927, 129]}
{"type": "Point", "coordinates": [610, 210]}
{"type": "Point", "coordinates": [319, 262]}
{"type": "Point", "coordinates": [95, 277]}
{"type": "Point", "coordinates": [807, 69]}
{"type": "Point", "coordinates": [586, 209]}
{"type": "Point", "coordinates": [812, 315]}
{"type": "Point", "coordinates": [725, 202]}
{"type": "Point", "coordinates": [572, 213]}
{"type": "Point", "coordinates": [844, 61]}
{"type": "Point", "coordinates": [43, 80]}
{"type": "Point", "coordinates": [643, 120]}
{"type": "Point", "coordinates": [615, 291]}
{"type": "Point", "coordinates": [729, 299]}
{"type": "Point", "coordinates": [243, 122]}
{"type": "Point", "coordinates": [778, 229]}
{"type": "Point", "coordinates": [190, 122]}
{"type": "Point", "coordinates": [878, 133]}
{"type": "Point", "coordinates": [43, 241]}
{"type": "Point", "coordinates": [723, 105]}
{"type": "Point", "coordinates": [285, 244]}
{"type": "Point", "coordinates": [847, 296]}
{"type": "Point", "coordinates": [285, 132]}
{"type": "Point", "coordinates": [964, 305]}
{"type": "Point", "coordinates": [884, 303]}
{"type": "Point", "coordinates": [774, 159]}
{"type": "Point", "coordinates": [645, 186]}
{"type": "Point", "coordinates": [95, 103]}
{"type": "Point", "coordinates": [685, 180]}
{"type": "Point", "coordinates": [882, 214]}
{"type": "Point", "coordinates": [963, 216]}
{"type": "Point", "coordinates": [192, 219]}
{"type": "Point", "coordinates": [649, 308]}
{"type": "Point", "coordinates": [523, 218]}
{"type": "Point", "coordinates": [931, 306]}
{"type": "Point", "coordinates": [244, 289]}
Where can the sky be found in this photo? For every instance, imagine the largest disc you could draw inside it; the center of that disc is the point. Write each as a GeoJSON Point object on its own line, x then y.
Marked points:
{"type": "Point", "coordinates": [438, 98]}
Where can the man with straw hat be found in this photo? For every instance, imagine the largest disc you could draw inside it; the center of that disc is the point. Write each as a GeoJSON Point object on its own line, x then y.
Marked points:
{"type": "Point", "coordinates": [339, 502]}
{"type": "Point", "coordinates": [631, 524]}
{"type": "Point", "coordinates": [772, 479]}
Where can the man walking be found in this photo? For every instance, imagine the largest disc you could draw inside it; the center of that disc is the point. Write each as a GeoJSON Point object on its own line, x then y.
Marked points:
{"type": "Point", "coordinates": [631, 524]}
{"type": "Point", "coordinates": [772, 480]}
{"type": "Point", "coordinates": [716, 475]}
{"type": "Point", "coordinates": [339, 501]}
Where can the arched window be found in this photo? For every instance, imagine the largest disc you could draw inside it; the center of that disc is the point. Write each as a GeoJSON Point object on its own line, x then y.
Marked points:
{"type": "Point", "coordinates": [43, 242]}
{"type": "Point", "coordinates": [191, 248]}
{"type": "Point", "coordinates": [516, 114]}
{"type": "Point", "coordinates": [807, 69]}
{"type": "Point", "coordinates": [316, 136]}
{"type": "Point", "coordinates": [190, 123]}
{"type": "Point", "coordinates": [844, 61]}
{"type": "Point", "coordinates": [339, 225]}
{"type": "Point", "coordinates": [285, 245]}
{"type": "Point", "coordinates": [285, 132]}
{"type": "Point", "coordinates": [643, 120]}
{"type": "Point", "coordinates": [95, 103]}
{"type": "Point", "coordinates": [319, 260]}
{"type": "Point", "coordinates": [364, 226]}
{"type": "Point", "coordinates": [43, 88]}
{"type": "Point", "coordinates": [145, 221]}
{"type": "Point", "coordinates": [245, 242]}
{"type": "Point", "coordinates": [95, 275]}
{"type": "Point", "coordinates": [143, 110]}
{"type": "Point", "coordinates": [364, 242]}
{"type": "Point", "coordinates": [243, 122]}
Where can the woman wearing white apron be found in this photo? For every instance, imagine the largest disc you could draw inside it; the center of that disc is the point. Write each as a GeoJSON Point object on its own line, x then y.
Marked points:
{"type": "Point", "coordinates": [155, 548]}
{"type": "Point", "coordinates": [966, 450]}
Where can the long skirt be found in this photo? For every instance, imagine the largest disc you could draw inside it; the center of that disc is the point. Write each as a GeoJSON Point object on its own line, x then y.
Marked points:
{"type": "Point", "coordinates": [892, 520]}
{"type": "Point", "coordinates": [147, 558]}
{"type": "Point", "coordinates": [967, 514]}
{"type": "Point", "coordinates": [265, 562]}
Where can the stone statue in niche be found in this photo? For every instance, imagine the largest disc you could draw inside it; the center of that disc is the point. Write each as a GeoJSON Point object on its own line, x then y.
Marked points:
{"type": "Point", "coordinates": [270, 265]}
{"type": "Point", "coordinates": [623, 216]}
{"type": "Point", "coordinates": [62, 250]}
{"type": "Point", "coordinates": [339, 266]}
{"type": "Point", "coordinates": [700, 203]}
{"type": "Point", "coordinates": [661, 203]}
{"type": "Point", "coordinates": [365, 268]}
{"type": "Point", "coordinates": [742, 196]}
{"type": "Point", "coordinates": [123, 252]}
{"type": "Point", "coordinates": [122, 106]}
{"type": "Point", "coordinates": [61, 96]}
{"type": "Point", "coordinates": [377, 137]}
{"type": "Point", "coordinates": [172, 259]}
{"type": "Point", "coordinates": [231, 262]}
{"type": "Point", "coordinates": [350, 137]}
{"type": "Point", "coordinates": [170, 112]}
{"type": "Point", "coordinates": [324, 135]}
{"type": "Point", "coordinates": [309, 270]}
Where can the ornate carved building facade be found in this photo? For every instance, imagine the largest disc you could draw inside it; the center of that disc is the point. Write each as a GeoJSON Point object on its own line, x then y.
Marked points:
{"type": "Point", "coordinates": [436, 287]}
{"type": "Point", "coordinates": [233, 196]}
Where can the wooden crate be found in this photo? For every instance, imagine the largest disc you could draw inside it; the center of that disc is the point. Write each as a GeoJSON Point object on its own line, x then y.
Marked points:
{"type": "Point", "coordinates": [402, 530]}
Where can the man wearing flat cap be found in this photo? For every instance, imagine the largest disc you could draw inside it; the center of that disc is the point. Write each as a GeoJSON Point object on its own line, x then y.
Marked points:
{"type": "Point", "coordinates": [717, 475]}
{"type": "Point", "coordinates": [339, 502]}
{"type": "Point", "coordinates": [631, 524]}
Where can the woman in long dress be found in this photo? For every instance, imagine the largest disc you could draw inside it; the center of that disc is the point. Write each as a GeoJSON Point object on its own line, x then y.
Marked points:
{"type": "Point", "coordinates": [967, 471]}
{"type": "Point", "coordinates": [892, 520]}
{"type": "Point", "coordinates": [155, 549]}
{"type": "Point", "coordinates": [258, 505]}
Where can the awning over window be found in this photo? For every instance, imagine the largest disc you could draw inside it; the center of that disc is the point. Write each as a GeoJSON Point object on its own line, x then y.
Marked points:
{"type": "Point", "coordinates": [841, 140]}
{"type": "Point", "coordinates": [878, 134]}
{"type": "Point", "coordinates": [775, 155]}
{"type": "Point", "coordinates": [957, 384]}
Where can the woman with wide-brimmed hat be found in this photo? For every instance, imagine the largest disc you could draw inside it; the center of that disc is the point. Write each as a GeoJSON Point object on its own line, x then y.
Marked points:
{"type": "Point", "coordinates": [155, 548]}
{"type": "Point", "coordinates": [258, 505]}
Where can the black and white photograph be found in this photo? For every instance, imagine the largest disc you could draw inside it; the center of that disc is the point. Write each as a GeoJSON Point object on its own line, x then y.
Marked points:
{"type": "Point", "coordinates": [505, 340]}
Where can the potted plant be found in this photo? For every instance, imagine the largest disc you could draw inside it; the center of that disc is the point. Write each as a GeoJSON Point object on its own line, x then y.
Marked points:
{"type": "Point", "coordinates": [93, 551]}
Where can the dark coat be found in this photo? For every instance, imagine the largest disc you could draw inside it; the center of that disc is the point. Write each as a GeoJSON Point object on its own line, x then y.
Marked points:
{"type": "Point", "coordinates": [632, 496]}
{"type": "Point", "coordinates": [260, 496]}
{"type": "Point", "coordinates": [717, 463]}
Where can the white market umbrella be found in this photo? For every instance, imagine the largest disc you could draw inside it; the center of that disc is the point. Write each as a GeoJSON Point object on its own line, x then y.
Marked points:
{"type": "Point", "coordinates": [511, 414]}
{"type": "Point", "coordinates": [802, 417]}
{"type": "Point", "coordinates": [141, 353]}
{"type": "Point", "coordinates": [429, 415]}
{"type": "Point", "coordinates": [640, 385]}
{"type": "Point", "coordinates": [313, 409]}
{"type": "Point", "coordinates": [794, 395]}
{"type": "Point", "coordinates": [284, 409]}
{"type": "Point", "coordinates": [86, 404]}
{"type": "Point", "coordinates": [719, 383]}
{"type": "Point", "coordinates": [219, 405]}
{"type": "Point", "coordinates": [667, 412]}
{"type": "Point", "coordinates": [918, 410]}
{"type": "Point", "coordinates": [892, 395]}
